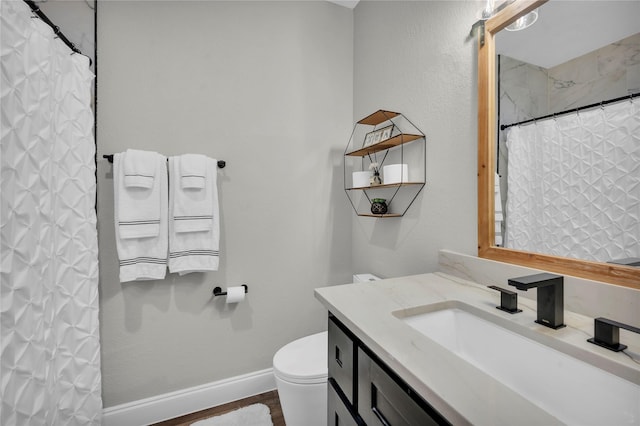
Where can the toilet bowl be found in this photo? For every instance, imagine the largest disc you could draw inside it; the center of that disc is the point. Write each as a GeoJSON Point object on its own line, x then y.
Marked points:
{"type": "Point", "coordinates": [300, 368]}
{"type": "Point", "coordinates": [301, 371]}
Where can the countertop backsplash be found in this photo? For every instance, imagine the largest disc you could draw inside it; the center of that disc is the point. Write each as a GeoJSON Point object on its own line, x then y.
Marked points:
{"type": "Point", "coordinates": [586, 297]}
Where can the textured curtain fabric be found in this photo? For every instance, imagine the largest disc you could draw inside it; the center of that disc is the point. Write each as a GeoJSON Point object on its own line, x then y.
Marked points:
{"type": "Point", "coordinates": [574, 184]}
{"type": "Point", "coordinates": [50, 348]}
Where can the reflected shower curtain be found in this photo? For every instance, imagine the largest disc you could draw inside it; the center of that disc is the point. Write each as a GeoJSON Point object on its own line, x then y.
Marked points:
{"type": "Point", "coordinates": [49, 341]}
{"type": "Point", "coordinates": [574, 184]}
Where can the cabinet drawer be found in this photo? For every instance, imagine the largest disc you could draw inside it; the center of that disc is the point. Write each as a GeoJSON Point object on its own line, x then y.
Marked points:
{"type": "Point", "coordinates": [341, 359]}
{"type": "Point", "coordinates": [338, 413]}
{"type": "Point", "coordinates": [382, 401]}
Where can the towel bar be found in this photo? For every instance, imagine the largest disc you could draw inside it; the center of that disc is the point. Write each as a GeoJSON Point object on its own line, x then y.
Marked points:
{"type": "Point", "coordinates": [218, 291]}
{"type": "Point", "coordinates": [109, 157]}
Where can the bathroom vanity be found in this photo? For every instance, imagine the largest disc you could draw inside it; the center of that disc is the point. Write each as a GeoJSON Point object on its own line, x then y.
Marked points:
{"type": "Point", "coordinates": [362, 387]}
{"type": "Point", "coordinates": [385, 360]}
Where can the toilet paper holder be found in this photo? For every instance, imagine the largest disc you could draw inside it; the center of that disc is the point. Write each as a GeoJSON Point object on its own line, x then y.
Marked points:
{"type": "Point", "coordinates": [217, 291]}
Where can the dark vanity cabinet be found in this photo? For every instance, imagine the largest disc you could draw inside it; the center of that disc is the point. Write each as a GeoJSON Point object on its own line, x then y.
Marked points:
{"type": "Point", "coordinates": [362, 390]}
{"type": "Point", "coordinates": [342, 375]}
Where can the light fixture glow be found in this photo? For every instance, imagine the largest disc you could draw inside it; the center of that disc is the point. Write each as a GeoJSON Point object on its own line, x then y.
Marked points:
{"type": "Point", "coordinates": [488, 11]}
{"type": "Point", "coordinates": [524, 21]}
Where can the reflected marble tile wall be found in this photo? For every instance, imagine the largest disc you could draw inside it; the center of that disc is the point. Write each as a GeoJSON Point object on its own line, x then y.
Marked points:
{"type": "Point", "coordinates": [607, 73]}
{"type": "Point", "coordinates": [528, 91]}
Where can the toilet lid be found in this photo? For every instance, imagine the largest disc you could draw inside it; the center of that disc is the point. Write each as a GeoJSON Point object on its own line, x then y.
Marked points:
{"type": "Point", "coordinates": [303, 360]}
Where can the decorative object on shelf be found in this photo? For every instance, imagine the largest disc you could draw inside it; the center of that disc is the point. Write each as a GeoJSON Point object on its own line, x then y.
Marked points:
{"type": "Point", "coordinates": [379, 206]}
{"type": "Point", "coordinates": [377, 136]}
{"type": "Point", "coordinates": [369, 139]}
{"type": "Point", "coordinates": [395, 173]}
{"type": "Point", "coordinates": [375, 178]}
{"type": "Point", "coordinates": [386, 133]}
{"type": "Point", "coordinates": [362, 179]}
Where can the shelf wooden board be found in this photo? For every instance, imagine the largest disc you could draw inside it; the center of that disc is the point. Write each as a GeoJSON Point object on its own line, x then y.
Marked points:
{"type": "Point", "coordinates": [382, 186]}
{"type": "Point", "coordinates": [378, 117]}
{"type": "Point", "coordinates": [385, 144]}
{"type": "Point", "coordinates": [380, 215]}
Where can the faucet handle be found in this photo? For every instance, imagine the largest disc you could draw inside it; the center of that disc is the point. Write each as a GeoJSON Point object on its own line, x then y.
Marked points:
{"type": "Point", "coordinates": [607, 333]}
{"type": "Point", "coordinates": [508, 300]}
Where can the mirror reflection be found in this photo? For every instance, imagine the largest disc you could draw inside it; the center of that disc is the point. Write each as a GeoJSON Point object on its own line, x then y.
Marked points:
{"type": "Point", "coordinates": [568, 172]}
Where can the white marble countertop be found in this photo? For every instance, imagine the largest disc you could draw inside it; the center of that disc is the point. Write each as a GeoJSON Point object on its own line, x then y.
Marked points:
{"type": "Point", "coordinates": [458, 390]}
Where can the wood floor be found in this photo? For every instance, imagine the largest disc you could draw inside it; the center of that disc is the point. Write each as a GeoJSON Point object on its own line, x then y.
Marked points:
{"type": "Point", "coordinates": [270, 399]}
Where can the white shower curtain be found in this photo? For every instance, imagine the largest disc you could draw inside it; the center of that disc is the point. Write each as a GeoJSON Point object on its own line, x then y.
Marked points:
{"type": "Point", "coordinates": [574, 184]}
{"type": "Point", "coordinates": [49, 341]}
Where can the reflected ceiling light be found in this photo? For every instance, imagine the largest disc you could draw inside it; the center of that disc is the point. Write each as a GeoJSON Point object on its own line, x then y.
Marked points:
{"type": "Point", "coordinates": [488, 11]}
{"type": "Point", "coordinates": [524, 21]}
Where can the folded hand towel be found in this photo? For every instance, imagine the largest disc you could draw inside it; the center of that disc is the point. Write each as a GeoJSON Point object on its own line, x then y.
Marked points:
{"type": "Point", "coordinates": [193, 204]}
{"type": "Point", "coordinates": [141, 220]}
{"type": "Point", "coordinates": [139, 207]}
{"type": "Point", "coordinates": [193, 221]}
{"type": "Point", "coordinates": [498, 211]}
{"type": "Point", "coordinates": [139, 169]}
{"type": "Point", "coordinates": [192, 170]}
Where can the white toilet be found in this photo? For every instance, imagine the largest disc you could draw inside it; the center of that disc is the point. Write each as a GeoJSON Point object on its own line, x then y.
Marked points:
{"type": "Point", "coordinates": [300, 368]}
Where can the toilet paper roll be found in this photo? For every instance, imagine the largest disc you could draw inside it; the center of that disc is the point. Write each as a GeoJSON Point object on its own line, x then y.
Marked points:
{"type": "Point", "coordinates": [235, 294]}
{"type": "Point", "coordinates": [395, 173]}
{"type": "Point", "coordinates": [361, 179]}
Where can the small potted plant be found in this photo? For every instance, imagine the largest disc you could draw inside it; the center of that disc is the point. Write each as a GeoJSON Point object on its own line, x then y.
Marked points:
{"type": "Point", "coordinates": [379, 206]}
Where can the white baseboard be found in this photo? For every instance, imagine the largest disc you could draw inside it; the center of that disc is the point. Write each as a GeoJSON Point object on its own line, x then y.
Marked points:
{"type": "Point", "coordinates": [175, 404]}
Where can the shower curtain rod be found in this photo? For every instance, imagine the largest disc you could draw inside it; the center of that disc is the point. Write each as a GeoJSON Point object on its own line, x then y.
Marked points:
{"type": "Point", "coordinates": [56, 30]}
{"type": "Point", "coordinates": [610, 101]}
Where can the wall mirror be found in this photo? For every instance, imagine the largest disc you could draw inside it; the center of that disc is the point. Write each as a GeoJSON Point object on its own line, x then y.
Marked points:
{"type": "Point", "coordinates": [492, 37]}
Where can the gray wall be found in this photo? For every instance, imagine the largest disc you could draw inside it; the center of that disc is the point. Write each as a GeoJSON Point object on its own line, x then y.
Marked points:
{"type": "Point", "coordinates": [266, 86]}
{"type": "Point", "coordinates": [416, 58]}
{"type": "Point", "coordinates": [75, 20]}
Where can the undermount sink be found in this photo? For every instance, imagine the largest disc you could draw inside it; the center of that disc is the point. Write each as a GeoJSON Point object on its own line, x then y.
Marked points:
{"type": "Point", "coordinates": [573, 391]}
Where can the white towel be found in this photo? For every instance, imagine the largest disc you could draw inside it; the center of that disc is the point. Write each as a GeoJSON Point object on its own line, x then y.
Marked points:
{"type": "Point", "coordinates": [192, 171]}
{"type": "Point", "coordinates": [194, 225]}
{"type": "Point", "coordinates": [138, 210]}
{"type": "Point", "coordinates": [139, 169]}
{"type": "Point", "coordinates": [141, 250]}
{"type": "Point", "coordinates": [194, 204]}
{"type": "Point", "coordinates": [498, 211]}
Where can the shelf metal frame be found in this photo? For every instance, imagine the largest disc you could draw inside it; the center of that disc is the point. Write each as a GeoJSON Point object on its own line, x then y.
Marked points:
{"type": "Point", "coordinates": [395, 141]}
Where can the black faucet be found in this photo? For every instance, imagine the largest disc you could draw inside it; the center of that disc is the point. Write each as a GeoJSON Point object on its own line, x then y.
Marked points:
{"type": "Point", "coordinates": [550, 297]}
{"type": "Point", "coordinates": [508, 300]}
{"type": "Point", "coordinates": [607, 333]}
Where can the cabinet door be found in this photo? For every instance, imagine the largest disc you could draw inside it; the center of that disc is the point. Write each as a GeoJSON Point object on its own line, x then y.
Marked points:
{"type": "Point", "coordinates": [338, 413]}
{"type": "Point", "coordinates": [382, 401]}
{"type": "Point", "coordinates": [341, 359]}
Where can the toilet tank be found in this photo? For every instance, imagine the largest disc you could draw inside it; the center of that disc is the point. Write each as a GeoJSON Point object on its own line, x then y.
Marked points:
{"type": "Point", "coordinates": [361, 278]}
